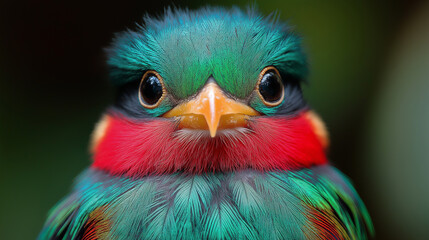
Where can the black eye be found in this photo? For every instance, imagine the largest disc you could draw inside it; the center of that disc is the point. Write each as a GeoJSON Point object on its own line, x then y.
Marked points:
{"type": "Point", "coordinates": [151, 90]}
{"type": "Point", "coordinates": [270, 87]}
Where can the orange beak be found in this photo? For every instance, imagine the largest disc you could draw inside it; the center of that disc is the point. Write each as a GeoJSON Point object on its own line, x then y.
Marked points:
{"type": "Point", "coordinates": [211, 110]}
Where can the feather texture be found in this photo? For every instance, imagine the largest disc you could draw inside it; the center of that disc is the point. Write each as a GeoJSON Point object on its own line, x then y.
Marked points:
{"type": "Point", "coordinates": [187, 47]}
{"type": "Point", "coordinates": [140, 148]}
{"type": "Point", "coordinates": [151, 180]}
{"type": "Point", "coordinates": [314, 203]}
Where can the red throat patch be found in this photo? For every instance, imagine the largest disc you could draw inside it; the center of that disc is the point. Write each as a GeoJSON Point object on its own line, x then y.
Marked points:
{"type": "Point", "coordinates": [136, 148]}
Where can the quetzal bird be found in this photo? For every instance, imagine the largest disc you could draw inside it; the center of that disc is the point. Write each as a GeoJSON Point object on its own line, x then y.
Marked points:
{"type": "Point", "coordinates": [209, 138]}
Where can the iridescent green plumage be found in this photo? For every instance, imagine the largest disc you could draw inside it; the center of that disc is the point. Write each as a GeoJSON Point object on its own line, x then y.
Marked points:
{"type": "Point", "coordinates": [187, 47]}
{"type": "Point", "coordinates": [239, 205]}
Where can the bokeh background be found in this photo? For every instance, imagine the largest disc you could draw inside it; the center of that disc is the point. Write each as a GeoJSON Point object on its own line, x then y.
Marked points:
{"type": "Point", "coordinates": [369, 80]}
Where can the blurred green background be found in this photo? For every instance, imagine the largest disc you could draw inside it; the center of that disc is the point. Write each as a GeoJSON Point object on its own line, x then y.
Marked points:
{"type": "Point", "coordinates": [369, 81]}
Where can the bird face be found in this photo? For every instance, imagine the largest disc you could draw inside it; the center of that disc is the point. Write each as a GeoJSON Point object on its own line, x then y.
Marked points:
{"type": "Point", "coordinates": [212, 109]}
{"type": "Point", "coordinates": [198, 92]}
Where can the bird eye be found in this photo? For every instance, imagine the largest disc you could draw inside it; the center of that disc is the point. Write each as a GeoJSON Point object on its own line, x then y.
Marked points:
{"type": "Point", "coordinates": [270, 87]}
{"type": "Point", "coordinates": [151, 90]}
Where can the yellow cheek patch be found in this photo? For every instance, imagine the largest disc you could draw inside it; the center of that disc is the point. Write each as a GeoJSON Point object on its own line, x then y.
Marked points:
{"type": "Point", "coordinates": [98, 133]}
{"type": "Point", "coordinates": [319, 128]}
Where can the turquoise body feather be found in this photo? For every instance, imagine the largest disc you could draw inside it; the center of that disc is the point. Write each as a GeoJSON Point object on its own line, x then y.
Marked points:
{"type": "Point", "coordinates": [316, 203]}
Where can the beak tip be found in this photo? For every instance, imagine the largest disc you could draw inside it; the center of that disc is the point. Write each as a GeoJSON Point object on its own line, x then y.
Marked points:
{"type": "Point", "coordinates": [213, 133]}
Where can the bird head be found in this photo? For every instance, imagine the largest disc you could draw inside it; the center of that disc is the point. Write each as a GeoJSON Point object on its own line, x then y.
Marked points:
{"type": "Point", "coordinates": [207, 90]}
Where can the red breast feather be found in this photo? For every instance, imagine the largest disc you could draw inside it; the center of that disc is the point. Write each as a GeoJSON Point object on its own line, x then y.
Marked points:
{"type": "Point", "coordinates": [137, 148]}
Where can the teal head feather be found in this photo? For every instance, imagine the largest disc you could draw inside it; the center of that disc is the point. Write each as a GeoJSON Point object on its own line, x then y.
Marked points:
{"type": "Point", "coordinates": [187, 47]}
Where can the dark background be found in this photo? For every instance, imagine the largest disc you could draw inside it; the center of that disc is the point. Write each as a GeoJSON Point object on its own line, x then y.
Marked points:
{"type": "Point", "coordinates": [369, 82]}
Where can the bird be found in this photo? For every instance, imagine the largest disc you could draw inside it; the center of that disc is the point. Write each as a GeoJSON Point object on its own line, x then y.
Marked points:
{"type": "Point", "coordinates": [209, 137]}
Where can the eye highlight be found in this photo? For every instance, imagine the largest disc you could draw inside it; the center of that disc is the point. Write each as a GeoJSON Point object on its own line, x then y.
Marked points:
{"type": "Point", "coordinates": [270, 87]}
{"type": "Point", "coordinates": [151, 90]}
